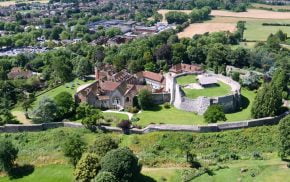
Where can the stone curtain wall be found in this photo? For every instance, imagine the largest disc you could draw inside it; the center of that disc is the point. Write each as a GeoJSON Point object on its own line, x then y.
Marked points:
{"type": "Point", "coordinates": [160, 98]}
{"type": "Point", "coordinates": [152, 128]}
{"type": "Point", "coordinates": [199, 105]}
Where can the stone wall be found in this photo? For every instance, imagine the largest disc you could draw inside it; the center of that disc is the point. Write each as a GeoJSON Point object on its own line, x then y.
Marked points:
{"type": "Point", "coordinates": [152, 128]}
{"type": "Point", "coordinates": [160, 98]}
{"type": "Point", "coordinates": [230, 102]}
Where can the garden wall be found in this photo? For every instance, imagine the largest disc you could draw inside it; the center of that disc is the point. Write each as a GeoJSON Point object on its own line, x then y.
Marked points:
{"type": "Point", "coordinates": [151, 128]}
{"type": "Point", "coordinates": [160, 98]}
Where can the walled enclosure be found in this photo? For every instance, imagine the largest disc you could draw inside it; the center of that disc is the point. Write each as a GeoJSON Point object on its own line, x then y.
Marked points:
{"type": "Point", "coordinates": [230, 102]}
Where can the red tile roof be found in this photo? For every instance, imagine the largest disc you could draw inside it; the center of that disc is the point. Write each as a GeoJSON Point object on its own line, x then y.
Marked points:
{"type": "Point", "coordinates": [109, 85]}
{"type": "Point", "coordinates": [152, 76]}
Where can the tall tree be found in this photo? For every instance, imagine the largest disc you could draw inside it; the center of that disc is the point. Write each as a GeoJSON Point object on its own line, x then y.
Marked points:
{"type": "Point", "coordinates": [284, 137]}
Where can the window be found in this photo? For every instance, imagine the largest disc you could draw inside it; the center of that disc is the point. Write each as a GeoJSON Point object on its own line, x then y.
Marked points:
{"type": "Point", "coordinates": [127, 99]}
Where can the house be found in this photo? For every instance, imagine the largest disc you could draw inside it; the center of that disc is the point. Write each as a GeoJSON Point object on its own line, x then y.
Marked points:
{"type": "Point", "coordinates": [155, 80]}
{"type": "Point", "coordinates": [19, 73]}
{"type": "Point", "coordinates": [185, 68]}
{"type": "Point", "coordinates": [109, 94]}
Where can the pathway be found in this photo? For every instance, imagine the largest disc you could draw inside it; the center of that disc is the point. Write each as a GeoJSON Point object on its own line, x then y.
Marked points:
{"type": "Point", "coordinates": [130, 115]}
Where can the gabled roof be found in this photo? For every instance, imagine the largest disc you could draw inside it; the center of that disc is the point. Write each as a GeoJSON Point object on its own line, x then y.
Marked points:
{"type": "Point", "coordinates": [151, 75]}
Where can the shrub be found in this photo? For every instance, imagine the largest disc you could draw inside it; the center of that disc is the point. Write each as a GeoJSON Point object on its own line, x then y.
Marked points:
{"type": "Point", "coordinates": [87, 168]}
{"type": "Point", "coordinates": [122, 163]}
{"type": "Point", "coordinates": [102, 145]}
{"type": "Point", "coordinates": [135, 119]}
{"type": "Point", "coordinates": [144, 99]}
{"type": "Point", "coordinates": [214, 113]}
{"type": "Point", "coordinates": [125, 125]}
{"type": "Point", "coordinates": [8, 155]}
{"type": "Point", "coordinates": [284, 135]}
{"type": "Point", "coordinates": [73, 148]}
{"type": "Point", "coordinates": [105, 177]}
{"type": "Point", "coordinates": [167, 105]}
{"type": "Point", "coordinates": [257, 155]}
{"type": "Point", "coordinates": [133, 110]}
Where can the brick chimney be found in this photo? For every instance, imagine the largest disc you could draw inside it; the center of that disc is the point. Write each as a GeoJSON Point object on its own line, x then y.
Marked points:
{"type": "Point", "coordinates": [97, 73]}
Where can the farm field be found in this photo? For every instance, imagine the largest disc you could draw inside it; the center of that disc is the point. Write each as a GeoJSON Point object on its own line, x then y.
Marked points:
{"type": "Point", "coordinates": [274, 7]}
{"type": "Point", "coordinates": [12, 2]}
{"type": "Point", "coordinates": [226, 21]}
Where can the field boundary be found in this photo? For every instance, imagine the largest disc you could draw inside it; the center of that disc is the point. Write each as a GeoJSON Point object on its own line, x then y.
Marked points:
{"type": "Point", "coordinates": [10, 128]}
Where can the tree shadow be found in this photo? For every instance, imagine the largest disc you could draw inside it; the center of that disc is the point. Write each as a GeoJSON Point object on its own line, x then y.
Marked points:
{"type": "Point", "coordinates": [21, 171]}
{"type": "Point", "coordinates": [245, 102]}
{"type": "Point", "coordinates": [143, 178]}
{"type": "Point", "coordinates": [154, 108]}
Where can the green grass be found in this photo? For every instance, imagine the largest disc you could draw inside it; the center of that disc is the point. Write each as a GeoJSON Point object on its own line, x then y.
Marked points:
{"type": "Point", "coordinates": [185, 80]}
{"type": "Point", "coordinates": [256, 32]}
{"type": "Point", "coordinates": [168, 116]}
{"type": "Point", "coordinates": [163, 174]}
{"type": "Point", "coordinates": [220, 90]}
{"type": "Point", "coordinates": [47, 173]}
{"type": "Point", "coordinates": [247, 102]}
{"type": "Point", "coordinates": [115, 117]}
{"type": "Point", "coordinates": [159, 114]}
{"type": "Point", "coordinates": [70, 87]}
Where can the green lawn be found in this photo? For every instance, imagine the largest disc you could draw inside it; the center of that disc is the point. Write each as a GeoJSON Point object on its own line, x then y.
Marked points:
{"type": "Point", "coordinates": [168, 116]}
{"type": "Point", "coordinates": [70, 87]}
{"type": "Point", "coordinates": [185, 80]}
{"type": "Point", "coordinates": [174, 116]}
{"type": "Point", "coordinates": [220, 90]}
{"type": "Point", "coordinates": [115, 117]}
{"type": "Point", "coordinates": [247, 101]}
{"type": "Point", "coordinates": [256, 32]}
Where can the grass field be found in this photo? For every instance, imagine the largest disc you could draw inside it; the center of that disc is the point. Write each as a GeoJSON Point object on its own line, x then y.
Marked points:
{"type": "Point", "coordinates": [226, 21]}
{"type": "Point", "coordinates": [185, 80]}
{"type": "Point", "coordinates": [174, 116]}
{"type": "Point", "coordinates": [255, 31]}
{"type": "Point", "coordinates": [220, 90]}
{"type": "Point", "coordinates": [274, 7]}
{"type": "Point", "coordinates": [67, 87]}
{"type": "Point", "coordinates": [43, 151]}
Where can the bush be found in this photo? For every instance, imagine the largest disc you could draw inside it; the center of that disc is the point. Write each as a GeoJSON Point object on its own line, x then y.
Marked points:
{"type": "Point", "coordinates": [87, 168]}
{"type": "Point", "coordinates": [122, 163]}
{"type": "Point", "coordinates": [125, 125]}
{"type": "Point", "coordinates": [73, 148]}
{"type": "Point", "coordinates": [284, 135]}
{"type": "Point", "coordinates": [133, 110]}
{"type": "Point", "coordinates": [214, 113]}
{"type": "Point", "coordinates": [144, 99]}
{"type": "Point", "coordinates": [102, 145]}
{"type": "Point", "coordinates": [167, 105]}
{"type": "Point", "coordinates": [257, 155]}
{"type": "Point", "coordinates": [8, 155]}
{"type": "Point", "coordinates": [105, 177]}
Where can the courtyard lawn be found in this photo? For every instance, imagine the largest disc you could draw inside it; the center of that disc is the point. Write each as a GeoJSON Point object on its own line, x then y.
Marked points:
{"type": "Point", "coordinates": [160, 115]}
{"type": "Point", "coordinates": [185, 80]}
{"type": "Point", "coordinates": [247, 102]}
{"type": "Point", "coordinates": [220, 90]}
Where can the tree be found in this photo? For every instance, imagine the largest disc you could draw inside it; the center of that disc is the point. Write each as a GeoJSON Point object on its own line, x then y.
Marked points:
{"type": "Point", "coordinates": [73, 148]}
{"type": "Point", "coordinates": [87, 167]}
{"type": "Point", "coordinates": [45, 111]}
{"type": "Point", "coordinates": [122, 163]}
{"type": "Point", "coordinates": [65, 104]}
{"type": "Point", "coordinates": [284, 137]}
{"type": "Point", "coordinates": [8, 155]}
{"type": "Point", "coordinates": [83, 68]}
{"type": "Point", "coordinates": [268, 102]}
{"type": "Point", "coordinates": [102, 145]}
{"type": "Point", "coordinates": [105, 177]}
{"type": "Point", "coordinates": [214, 113]}
{"type": "Point", "coordinates": [91, 117]}
{"type": "Point", "coordinates": [281, 80]}
{"type": "Point", "coordinates": [176, 17]}
{"type": "Point", "coordinates": [144, 99]}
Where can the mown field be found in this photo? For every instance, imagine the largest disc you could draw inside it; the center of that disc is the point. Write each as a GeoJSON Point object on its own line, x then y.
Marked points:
{"type": "Point", "coordinates": [226, 21]}
{"type": "Point", "coordinates": [162, 154]}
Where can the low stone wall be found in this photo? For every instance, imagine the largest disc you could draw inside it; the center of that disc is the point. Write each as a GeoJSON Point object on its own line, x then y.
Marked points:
{"type": "Point", "coordinates": [152, 128]}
